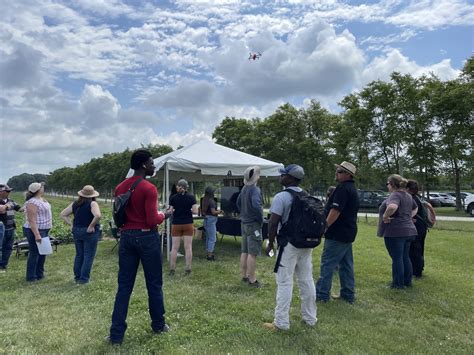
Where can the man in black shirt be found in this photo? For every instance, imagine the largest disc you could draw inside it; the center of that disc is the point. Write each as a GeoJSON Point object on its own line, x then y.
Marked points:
{"type": "Point", "coordinates": [341, 217]}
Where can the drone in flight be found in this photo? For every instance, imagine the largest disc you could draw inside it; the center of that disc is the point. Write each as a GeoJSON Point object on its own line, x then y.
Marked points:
{"type": "Point", "coordinates": [254, 56]}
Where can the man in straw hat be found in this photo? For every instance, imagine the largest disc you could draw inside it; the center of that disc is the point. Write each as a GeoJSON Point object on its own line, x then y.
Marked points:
{"type": "Point", "coordinates": [341, 211]}
{"type": "Point", "coordinates": [250, 207]}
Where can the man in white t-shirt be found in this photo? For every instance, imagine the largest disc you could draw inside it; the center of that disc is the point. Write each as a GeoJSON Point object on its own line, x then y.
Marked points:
{"type": "Point", "coordinates": [292, 259]}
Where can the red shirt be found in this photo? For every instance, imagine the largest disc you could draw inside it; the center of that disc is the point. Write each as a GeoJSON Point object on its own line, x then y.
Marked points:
{"type": "Point", "coordinates": [142, 209]}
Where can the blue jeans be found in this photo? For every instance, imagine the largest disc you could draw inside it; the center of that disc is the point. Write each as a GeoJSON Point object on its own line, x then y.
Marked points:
{"type": "Point", "coordinates": [35, 263]}
{"type": "Point", "coordinates": [135, 247]}
{"type": "Point", "coordinates": [6, 247]}
{"type": "Point", "coordinates": [399, 250]}
{"type": "Point", "coordinates": [86, 246]}
{"type": "Point", "coordinates": [211, 232]}
{"type": "Point", "coordinates": [336, 254]}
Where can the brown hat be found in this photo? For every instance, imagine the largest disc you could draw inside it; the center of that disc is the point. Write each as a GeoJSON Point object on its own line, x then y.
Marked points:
{"type": "Point", "coordinates": [347, 167]}
{"type": "Point", "coordinates": [88, 192]}
{"type": "Point", "coordinates": [5, 187]}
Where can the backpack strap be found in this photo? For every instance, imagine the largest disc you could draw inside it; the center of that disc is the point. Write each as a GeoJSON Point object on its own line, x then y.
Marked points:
{"type": "Point", "coordinates": [278, 259]}
{"type": "Point", "coordinates": [135, 184]}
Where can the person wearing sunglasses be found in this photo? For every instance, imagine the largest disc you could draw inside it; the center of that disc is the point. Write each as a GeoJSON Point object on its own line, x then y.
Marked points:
{"type": "Point", "coordinates": [341, 218]}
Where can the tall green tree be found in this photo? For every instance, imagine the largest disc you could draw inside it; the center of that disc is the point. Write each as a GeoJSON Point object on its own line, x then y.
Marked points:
{"type": "Point", "coordinates": [452, 105]}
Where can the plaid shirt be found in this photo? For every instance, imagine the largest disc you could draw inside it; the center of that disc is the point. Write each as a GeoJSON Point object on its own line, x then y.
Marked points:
{"type": "Point", "coordinates": [44, 218]}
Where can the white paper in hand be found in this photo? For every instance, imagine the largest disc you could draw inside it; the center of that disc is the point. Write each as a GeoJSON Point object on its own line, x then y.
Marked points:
{"type": "Point", "coordinates": [44, 248]}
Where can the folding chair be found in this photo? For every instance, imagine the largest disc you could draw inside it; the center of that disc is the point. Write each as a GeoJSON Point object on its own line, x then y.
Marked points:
{"type": "Point", "coordinates": [115, 233]}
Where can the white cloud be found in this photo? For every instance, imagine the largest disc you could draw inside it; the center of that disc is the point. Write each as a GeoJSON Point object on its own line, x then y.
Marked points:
{"type": "Point", "coordinates": [97, 108]}
{"type": "Point", "coordinates": [81, 78]}
{"type": "Point", "coordinates": [381, 67]}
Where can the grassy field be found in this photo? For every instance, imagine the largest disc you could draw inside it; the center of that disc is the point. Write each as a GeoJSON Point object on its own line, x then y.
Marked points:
{"type": "Point", "coordinates": [212, 312]}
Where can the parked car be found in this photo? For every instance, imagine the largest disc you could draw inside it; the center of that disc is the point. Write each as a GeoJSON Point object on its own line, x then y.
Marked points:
{"type": "Point", "coordinates": [370, 198]}
{"type": "Point", "coordinates": [434, 202]}
{"type": "Point", "coordinates": [443, 198]}
{"type": "Point", "coordinates": [469, 204]}
{"type": "Point", "coordinates": [464, 196]}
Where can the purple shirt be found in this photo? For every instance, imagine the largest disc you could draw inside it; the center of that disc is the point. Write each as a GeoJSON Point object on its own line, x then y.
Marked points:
{"type": "Point", "coordinates": [401, 224]}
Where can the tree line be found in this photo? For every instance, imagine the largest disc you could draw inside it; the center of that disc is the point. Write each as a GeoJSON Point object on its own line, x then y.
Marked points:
{"type": "Point", "coordinates": [419, 127]}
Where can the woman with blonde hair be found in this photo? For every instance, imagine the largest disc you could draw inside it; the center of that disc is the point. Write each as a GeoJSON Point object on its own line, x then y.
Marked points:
{"type": "Point", "coordinates": [396, 226]}
{"type": "Point", "coordinates": [39, 221]}
{"type": "Point", "coordinates": [85, 230]}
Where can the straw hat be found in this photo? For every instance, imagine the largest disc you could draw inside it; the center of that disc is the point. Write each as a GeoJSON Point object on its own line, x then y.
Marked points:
{"type": "Point", "coordinates": [88, 192]}
{"type": "Point", "coordinates": [347, 167]}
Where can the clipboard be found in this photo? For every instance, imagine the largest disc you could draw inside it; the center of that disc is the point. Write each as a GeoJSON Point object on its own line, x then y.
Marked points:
{"type": "Point", "coordinates": [45, 248]}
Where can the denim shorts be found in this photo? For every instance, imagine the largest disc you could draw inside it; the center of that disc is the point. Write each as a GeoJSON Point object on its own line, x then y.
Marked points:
{"type": "Point", "coordinates": [252, 238]}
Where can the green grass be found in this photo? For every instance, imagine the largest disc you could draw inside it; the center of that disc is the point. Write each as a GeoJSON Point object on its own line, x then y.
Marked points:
{"type": "Point", "coordinates": [212, 312]}
{"type": "Point", "coordinates": [450, 211]}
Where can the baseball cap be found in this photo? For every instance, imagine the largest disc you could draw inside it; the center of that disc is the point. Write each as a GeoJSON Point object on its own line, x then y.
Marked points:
{"type": "Point", "coordinates": [34, 187]}
{"type": "Point", "coordinates": [293, 170]}
{"type": "Point", "coordinates": [5, 187]}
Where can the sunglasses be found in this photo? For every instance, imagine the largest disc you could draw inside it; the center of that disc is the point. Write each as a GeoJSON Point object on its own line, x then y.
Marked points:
{"type": "Point", "coordinates": [340, 171]}
{"type": "Point", "coordinates": [387, 183]}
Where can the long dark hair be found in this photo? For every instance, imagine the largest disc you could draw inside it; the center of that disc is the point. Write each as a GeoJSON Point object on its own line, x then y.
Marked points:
{"type": "Point", "coordinates": [412, 187]}
{"type": "Point", "coordinates": [208, 196]}
{"type": "Point", "coordinates": [30, 195]}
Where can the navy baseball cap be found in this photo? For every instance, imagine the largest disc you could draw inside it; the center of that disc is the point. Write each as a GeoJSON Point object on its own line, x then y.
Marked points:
{"type": "Point", "coordinates": [293, 170]}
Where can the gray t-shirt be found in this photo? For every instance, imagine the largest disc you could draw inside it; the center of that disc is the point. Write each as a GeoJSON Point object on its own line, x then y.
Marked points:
{"type": "Point", "coordinates": [401, 224]}
{"type": "Point", "coordinates": [281, 204]}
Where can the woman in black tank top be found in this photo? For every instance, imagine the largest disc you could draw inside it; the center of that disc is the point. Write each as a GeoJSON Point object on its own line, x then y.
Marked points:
{"type": "Point", "coordinates": [85, 230]}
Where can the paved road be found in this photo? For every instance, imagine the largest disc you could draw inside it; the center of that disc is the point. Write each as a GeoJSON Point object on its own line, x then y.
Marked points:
{"type": "Point", "coordinates": [438, 218]}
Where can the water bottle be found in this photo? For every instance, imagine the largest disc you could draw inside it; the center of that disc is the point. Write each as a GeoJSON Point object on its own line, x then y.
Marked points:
{"type": "Point", "coordinates": [271, 252]}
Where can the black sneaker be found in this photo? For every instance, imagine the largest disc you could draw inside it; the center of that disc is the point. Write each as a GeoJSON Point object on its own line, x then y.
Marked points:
{"type": "Point", "coordinates": [165, 329]}
{"type": "Point", "coordinates": [187, 272]}
{"type": "Point", "coordinates": [211, 258]}
{"type": "Point", "coordinates": [255, 284]}
{"type": "Point", "coordinates": [171, 273]}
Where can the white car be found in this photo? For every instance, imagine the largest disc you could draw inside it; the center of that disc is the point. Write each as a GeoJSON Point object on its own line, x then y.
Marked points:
{"type": "Point", "coordinates": [469, 204]}
{"type": "Point", "coordinates": [445, 199]}
{"type": "Point", "coordinates": [464, 196]}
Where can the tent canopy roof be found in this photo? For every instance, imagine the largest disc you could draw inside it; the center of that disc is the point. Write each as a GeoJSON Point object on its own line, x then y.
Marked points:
{"type": "Point", "coordinates": [208, 158]}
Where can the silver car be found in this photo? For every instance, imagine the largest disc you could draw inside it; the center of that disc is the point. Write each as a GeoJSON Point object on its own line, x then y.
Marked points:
{"type": "Point", "coordinates": [444, 198]}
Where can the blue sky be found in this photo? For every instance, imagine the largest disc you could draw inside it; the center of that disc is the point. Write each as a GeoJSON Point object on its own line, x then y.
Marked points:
{"type": "Point", "coordinates": [80, 78]}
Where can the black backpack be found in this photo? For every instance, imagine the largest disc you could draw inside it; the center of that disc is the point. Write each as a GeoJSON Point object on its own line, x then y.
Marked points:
{"type": "Point", "coordinates": [120, 204]}
{"type": "Point", "coordinates": [306, 223]}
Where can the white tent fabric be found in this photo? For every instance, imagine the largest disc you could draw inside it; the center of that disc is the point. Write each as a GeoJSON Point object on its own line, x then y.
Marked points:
{"type": "Point", "coordinates": [210, 159]}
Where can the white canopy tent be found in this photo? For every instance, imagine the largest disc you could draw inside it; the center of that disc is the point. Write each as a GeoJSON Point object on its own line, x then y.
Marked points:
{"type": "Point", "coordinates": [210, 159]}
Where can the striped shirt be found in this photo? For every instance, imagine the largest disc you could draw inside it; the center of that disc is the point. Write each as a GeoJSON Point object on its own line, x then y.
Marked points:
{"type": "Point", "coordinates": [44, 218]}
